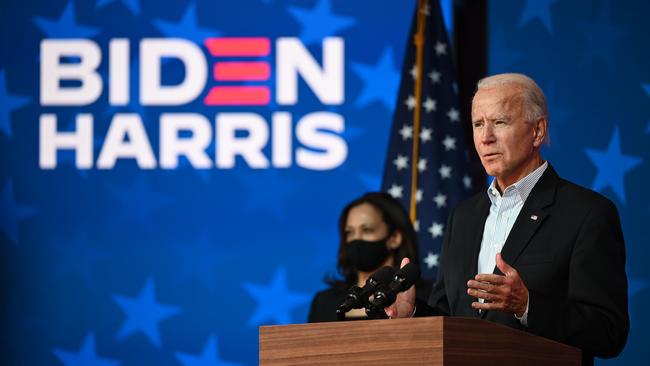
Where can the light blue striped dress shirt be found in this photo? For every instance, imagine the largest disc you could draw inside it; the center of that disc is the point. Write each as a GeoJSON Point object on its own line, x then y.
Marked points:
{"type": "Point", "coordinates": [504, 210]}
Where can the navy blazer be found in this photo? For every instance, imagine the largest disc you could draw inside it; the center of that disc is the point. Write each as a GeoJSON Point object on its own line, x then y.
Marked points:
{"type": "Point", "coordinates": [567, 245]}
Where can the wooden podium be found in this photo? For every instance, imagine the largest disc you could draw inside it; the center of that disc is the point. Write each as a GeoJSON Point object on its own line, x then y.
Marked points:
{"type": "Point", "coordinates": [416, 341]}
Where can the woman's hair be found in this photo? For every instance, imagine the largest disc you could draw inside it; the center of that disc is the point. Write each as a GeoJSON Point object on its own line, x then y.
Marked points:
{"type": "Point", "coordinates": [396, 219]}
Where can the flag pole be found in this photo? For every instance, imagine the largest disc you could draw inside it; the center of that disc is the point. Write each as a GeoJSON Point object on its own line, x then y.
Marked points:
{"type": "Point", "coordinates": [418, 40]}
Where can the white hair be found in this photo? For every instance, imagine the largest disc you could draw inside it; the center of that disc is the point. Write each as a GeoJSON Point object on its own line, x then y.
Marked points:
{"type": "Point", "coordinates": [534, 101]}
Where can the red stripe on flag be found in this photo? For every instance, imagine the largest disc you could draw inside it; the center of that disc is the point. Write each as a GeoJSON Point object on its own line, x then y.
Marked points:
{"type": "Point", "coordinates": [238, 95]}
{"type": "Point", "coordinates": [235, 71]}
{"type": "Point", "coordinates": [238, 46]}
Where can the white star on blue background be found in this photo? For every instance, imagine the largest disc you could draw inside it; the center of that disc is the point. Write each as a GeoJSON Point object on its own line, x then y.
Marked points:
{"type": "Point", "coordinates": [12, 213]}
{"type": "Point", "coordinates": [381, 81]}
{"type": "Point", "coordinates": [612, 166]}
{"type": "Point", "coordinates": [187, 27]}
{"type": "Point", "coordinates": [540, 9]}
{"type": "Point", "coordinates": [66, 26]}
{"type": "Point", "coordinates": [132, 5]}
{"type": "Point", "coordinates": [208, 357]}
{"type": "Point", "coordinates": [319, 22]}
{"type": "Point", "coordinates": [9, 103]}
{"type": "Point", "coordinates": [275, 301]}
{"type": "Point", "coordinates": [143, 314]}
{"type": "Point", "coordinates": [87, 355]}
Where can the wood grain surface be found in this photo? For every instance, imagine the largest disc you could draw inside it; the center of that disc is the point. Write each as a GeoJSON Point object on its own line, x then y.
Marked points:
{"type": "Point", "coordinates": [419, 341]}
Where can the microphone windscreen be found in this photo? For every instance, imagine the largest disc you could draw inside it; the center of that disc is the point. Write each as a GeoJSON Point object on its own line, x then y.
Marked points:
{"type": "Point", "coordinates": [384, 275]}
{"type": "Point", "coordinates": [410, 273]}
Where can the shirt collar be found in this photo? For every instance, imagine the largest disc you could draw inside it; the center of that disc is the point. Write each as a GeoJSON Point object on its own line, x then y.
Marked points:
{"type": "Point", "coordinates": [522, 188]}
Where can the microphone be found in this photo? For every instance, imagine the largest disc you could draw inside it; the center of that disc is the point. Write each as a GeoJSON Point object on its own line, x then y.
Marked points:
{"type": "Point", "coordinates": [357, 297]}
{"type": "Point", "coordinates": [386, 295]}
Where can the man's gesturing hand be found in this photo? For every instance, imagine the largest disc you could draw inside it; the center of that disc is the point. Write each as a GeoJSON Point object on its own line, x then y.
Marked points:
{"type": "Point", "coordinates": [504, 293]}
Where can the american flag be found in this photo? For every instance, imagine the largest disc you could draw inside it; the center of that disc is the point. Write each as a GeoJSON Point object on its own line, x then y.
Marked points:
{"type": "Point", "coordinates": [427, 164]}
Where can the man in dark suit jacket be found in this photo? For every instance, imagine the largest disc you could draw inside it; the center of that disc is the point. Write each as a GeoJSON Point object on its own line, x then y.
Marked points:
{"type": "Point", "coordinates": [535, 252]}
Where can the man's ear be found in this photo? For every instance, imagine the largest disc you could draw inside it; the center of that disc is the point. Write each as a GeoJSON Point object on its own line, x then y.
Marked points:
{"type": "Point", "coordinates": [540, 131]}
{"type": "Point", "coordinates": [395, 240]}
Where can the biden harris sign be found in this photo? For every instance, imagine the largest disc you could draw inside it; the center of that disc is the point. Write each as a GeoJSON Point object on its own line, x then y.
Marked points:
{"type": "Point", "coordinates": [171, 172]}
{"type": "Point", "coordinates": [234, 72]}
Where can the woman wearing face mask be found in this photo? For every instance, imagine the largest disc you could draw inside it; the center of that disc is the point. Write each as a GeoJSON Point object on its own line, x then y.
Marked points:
{"type": "Point", "coordinates": [374, 231]}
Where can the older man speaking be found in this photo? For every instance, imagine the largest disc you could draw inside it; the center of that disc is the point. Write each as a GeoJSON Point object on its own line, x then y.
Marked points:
{"type": "Point", "coordinates": [535, 252]}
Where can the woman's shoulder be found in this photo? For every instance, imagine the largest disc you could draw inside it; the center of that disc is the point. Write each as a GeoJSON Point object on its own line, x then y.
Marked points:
{"type": "Point", "coordinates": [330, 293]}
{"type": "Point", "coordinates": [324, 304]}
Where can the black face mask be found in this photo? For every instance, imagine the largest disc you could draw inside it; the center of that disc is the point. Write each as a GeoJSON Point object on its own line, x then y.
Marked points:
{"type": "Point", "coordinates": [365, 255]}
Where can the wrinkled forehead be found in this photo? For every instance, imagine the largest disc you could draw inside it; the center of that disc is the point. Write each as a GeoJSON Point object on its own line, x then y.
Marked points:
{"type": "Point", "coordinates": [498, 102]}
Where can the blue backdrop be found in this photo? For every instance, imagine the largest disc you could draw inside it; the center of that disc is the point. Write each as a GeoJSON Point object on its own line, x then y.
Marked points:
{"type": "Point", "coordinates": [591, 58]}
{"type": "Point", "coordinates": [133, 263]}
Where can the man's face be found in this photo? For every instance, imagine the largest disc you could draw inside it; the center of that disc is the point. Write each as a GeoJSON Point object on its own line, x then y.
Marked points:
{"type": "Point", "coordinates": [504, 140]}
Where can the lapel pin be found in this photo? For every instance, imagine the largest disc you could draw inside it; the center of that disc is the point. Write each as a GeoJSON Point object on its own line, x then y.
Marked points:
{"type": "Point", "coordinates": [533, 217]}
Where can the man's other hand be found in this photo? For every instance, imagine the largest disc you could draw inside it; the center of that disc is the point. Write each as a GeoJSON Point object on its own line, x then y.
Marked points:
{"type": "Point", "coordinates": [506, 293]}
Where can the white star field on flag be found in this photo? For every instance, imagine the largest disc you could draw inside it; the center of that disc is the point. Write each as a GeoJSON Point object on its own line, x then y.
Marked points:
{"type": "Point", "coordinates": [410, 102]}
{"type": "Point", "coordinates": [435, 76]}
{"type": "Point", "coordinates": [449, 143]}
{"type": "Point", "coordinates": [425, 134]}
{"type": "Point", "coordinates": [431, 260]}
{"type": "Point", "coordinates": [436, 229]}
{"type": "Point", "coordinates": [442, 161]}
{"type": "Point", "coordinates": [406, 132]}
{"type": "Point", "coordinates": [429, 105]}
{"type": "Point", "coordinates": [441, 49]}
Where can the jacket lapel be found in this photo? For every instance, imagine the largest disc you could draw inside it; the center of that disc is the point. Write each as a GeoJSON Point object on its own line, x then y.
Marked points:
{"type": "Point", "coordinates": [530, 219]}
